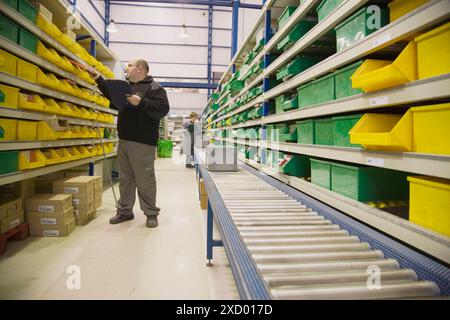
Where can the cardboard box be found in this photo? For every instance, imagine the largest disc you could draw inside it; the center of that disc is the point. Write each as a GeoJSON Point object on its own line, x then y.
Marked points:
{"type": "Point", "coordinates": [83, 209]}
{"type": "Point", "coordinates": [98, 202]}
{"type": "Point", "coordinates": [86, 198]}
{"type": "Point", "coordinates": [20, 189]}
{"type": "Point", "coordinates": [204, 202]}
{"type": "Point", "coordinates": [46, 14]}
{"type": "Point", "coordinates": [48, 202]}
{"type": "Point", "coordinates": [11, 221]}
{"type": "Point", "coordinates": [202, 189]}
{"type": "Point", "coordinates": [82, 220]}
{"type": "Point", "coordinates": [37, 219]}
{"type": "Point", "coordinates": [53, 230]}
{"type": "Point", "coordinates": [10, 206]}
{"type": "Point", "coordinates": [76, 185]}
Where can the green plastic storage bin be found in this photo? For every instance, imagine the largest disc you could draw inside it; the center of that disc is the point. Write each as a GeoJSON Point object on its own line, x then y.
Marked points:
{"type": "Point", "coordinates": [357, 27]}
{"type": "Point", "coordinates": [297, 165]}
{"type": "Point", "coordinates": [341, 127]}
{"type": "Point", "coordinates": [9, 161]}
{"type": "Point", "coordinates": [326, 7]}
{"type": "Point", "coordinates": [287, 13]}
{"type": "Point", "coordinates": [12, 3]}
{"type": "Point", "coordinates": [299, 31]}
{"type": "Point", "coordinates": [9, 29]}
{"type": "Point", "coordinates": [288, 134]}
{"type": "Point", "coordinates": [215, 96]}
{"type": "Point", "coordinates": [290, 103]}
{"type": "Point", "coordinates": [323, 132]}
{"type": "Point", "coordinates": [368, 183]}
{"type": "Point", "coordinates": [27, 10]}
{"type": "Point", "coordinates": [305, 132]}
{"type": "Point", "coordinates": [317, 91]}
{"type": "Point", "coordinates": [321, 173]}
{"type": "Point", "coordinates": [27, 40]}
{"type": "Point", "coordinates": [343, 83]}
{"type": "Point", "coordinates": [296, 66]}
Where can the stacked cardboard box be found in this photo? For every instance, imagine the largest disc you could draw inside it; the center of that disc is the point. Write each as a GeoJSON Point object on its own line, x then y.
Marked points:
{"type": "Point", "coordinates": [50, 215]}
{"type": "Point", "coordinates": [203, 194]}
{"type": "Point", "coordinates": [98, 191]}
{"type": "Point", "coordinates": [44, 184]}
{"type": "Point", "coordinates": [20, 189]}
{"type": "Point", "coordinates": [11, 213]}
{"type": "Point", "coordinates": [82, 190]}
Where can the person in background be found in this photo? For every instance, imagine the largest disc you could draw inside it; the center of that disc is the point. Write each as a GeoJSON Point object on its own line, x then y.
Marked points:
{"type": "Point", "coordinates": [138, 128]}
{"type": "Point", "coordinates": [188, 139]}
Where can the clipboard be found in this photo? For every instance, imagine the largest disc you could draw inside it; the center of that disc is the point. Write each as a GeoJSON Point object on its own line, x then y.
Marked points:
{"type": "Point", "coordinates": [118, 91]}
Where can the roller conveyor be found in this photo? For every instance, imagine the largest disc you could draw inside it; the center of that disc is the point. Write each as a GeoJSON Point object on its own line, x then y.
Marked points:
{"type": "Point", "coordinates": [302, 255]}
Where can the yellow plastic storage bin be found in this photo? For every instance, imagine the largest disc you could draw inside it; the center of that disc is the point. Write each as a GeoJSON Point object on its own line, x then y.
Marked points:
{"type": "Point", "coordinates": [66, 87]}
{"type": "Point", "coordinates": [51, 156]}
{"type": "Point", "coordinates": [67, 65]}
{"type": "Point", "coordinates": [74, 153]}
{"type": "Point", "coordinates": [380, 74]}
{"type": "Point", "coordinates": [67, 134]}
{"type": "Point", "coordinates": [399, 8]}
{"type": "Point", "coordinates": [26, 130]}
{"type": "Point", "coordinates": [84, 153]}
{"type": "Point", "coordinates": [92, 150]}
{"type": "Point", "coordinates": [26, 70]}
{"type": "Point", "coordinates": [429, 203]}
{"type": "Point", "coordinates": [48, 80]}
{"type": "Point", "coordinates": [8, 129]}
{"type": "Point", "coordinates": [68, 108]}
{"type": "Point", "coordinates": [65, 40]}
{"type": "Point", "coordinates": [431, 129]}
{"type": "Point", "coordinates": [31, 102]}
{"type": "Point", "coordinates": [76, 132]}
{"type": "Point", "coordinates": [99, 149]}
{"type": "Point", "coordinates": [51, 106]}
{"type": "Point", "coordinates": [387, 132]}
{"type": "Point", "coordinates": [44, 132]}
{"type": "Point", "coordinates": [48, 27]}
{"type": "Point", "coordinates": [63, 154]}
{"type": "Point", "coordinates": [9, 96]}
{"type": "Point", "coordinates": [433, 52]}
{"type": "Point", "coordinates": [8, 63]}
{"type": "Point", "coordinates": [85, 132]}
{"type": "Point", "coordinates": [50, 55]}
{"type": "Point", "coordinates": [31, 159]}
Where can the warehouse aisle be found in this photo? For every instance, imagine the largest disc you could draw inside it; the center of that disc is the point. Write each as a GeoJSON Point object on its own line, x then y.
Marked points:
{"type": "Point", "coordinates": [125, 261]}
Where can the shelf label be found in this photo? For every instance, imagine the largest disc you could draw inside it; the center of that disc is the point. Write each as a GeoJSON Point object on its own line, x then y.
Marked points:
{"type": "Point", "coordinates": [375, 162]}
{"type": "Point", "coordinates": [48, 220]}
{"type": "Point", "coordinates": [381, 40]}
{"type": "Point", "coordinates": [50, 233]}
{"type": "Point", "coordinates": [76, 201]}
{"type": "Point", "coordinates": [71, 190]}
{"type": "Point", "coordinates": [14, 223]}
{"type": "Point", "coordinates": [46, 208]}
{"type": "Point", "coordinates": [379, 101]}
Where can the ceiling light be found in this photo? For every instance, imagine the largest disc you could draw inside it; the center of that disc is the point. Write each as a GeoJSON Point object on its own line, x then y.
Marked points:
{"type": "Point", "coordinates": [183, 33]}
{"type": "Point", "coordinates": [112, 28]}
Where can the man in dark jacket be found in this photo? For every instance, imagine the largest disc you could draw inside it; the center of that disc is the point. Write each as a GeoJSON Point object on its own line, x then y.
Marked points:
{"type": "Point", "coordinates": [138, 128]}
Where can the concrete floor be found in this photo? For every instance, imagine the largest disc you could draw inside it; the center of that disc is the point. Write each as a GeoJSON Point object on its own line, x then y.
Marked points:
{"type": "Point", "coordinates": [125, 261]}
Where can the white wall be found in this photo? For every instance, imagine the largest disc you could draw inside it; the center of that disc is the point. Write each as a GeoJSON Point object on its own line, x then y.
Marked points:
{"type": "Point", "coordinates": [92, 16]}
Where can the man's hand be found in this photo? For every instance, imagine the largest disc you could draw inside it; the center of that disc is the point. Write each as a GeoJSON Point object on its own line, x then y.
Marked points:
{"type": "Point", "coordinates": [134, 100]}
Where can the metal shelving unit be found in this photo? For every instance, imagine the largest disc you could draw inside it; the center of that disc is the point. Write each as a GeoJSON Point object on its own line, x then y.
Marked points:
{"type": "Point", "coordinates": [26, 145]}
{"type": "Point", "coordinates": [31, 86]}
{"type": "Point", "coordinates": [22, 21]}
{"type": "Point", "coordinates": [384, 41]}
{"type": "Point", "coordinates": [27, 174]}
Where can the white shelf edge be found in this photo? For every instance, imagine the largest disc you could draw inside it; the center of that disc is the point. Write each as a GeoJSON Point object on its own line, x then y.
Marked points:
{"type": "Point", "coordinates": [26, 174]}
{"type": "Point", "coordinates": [27, 85]}
{"type": "Point", "coordinates": [415, 163]}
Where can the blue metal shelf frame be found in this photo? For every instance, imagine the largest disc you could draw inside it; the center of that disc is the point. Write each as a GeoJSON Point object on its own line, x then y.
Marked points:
{"type": "Point", "coordinates": [425, 267]}
{"type": "Point", "coordinates": [210, 30]}
{"type": "Point", "coordinates": [198, 2]}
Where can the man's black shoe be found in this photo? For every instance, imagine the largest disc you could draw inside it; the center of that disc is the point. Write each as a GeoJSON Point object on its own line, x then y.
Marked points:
{"type": "Point", "coordinates": [119, 218]}
{"type": "Point", "coordinates": [189, 166]}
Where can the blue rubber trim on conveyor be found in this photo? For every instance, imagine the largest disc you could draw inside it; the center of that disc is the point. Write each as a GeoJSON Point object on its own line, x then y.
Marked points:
{"type": "Point", "coordinates": [249, 281]}
{"type": "Point", "coordinates": [425, 267]}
